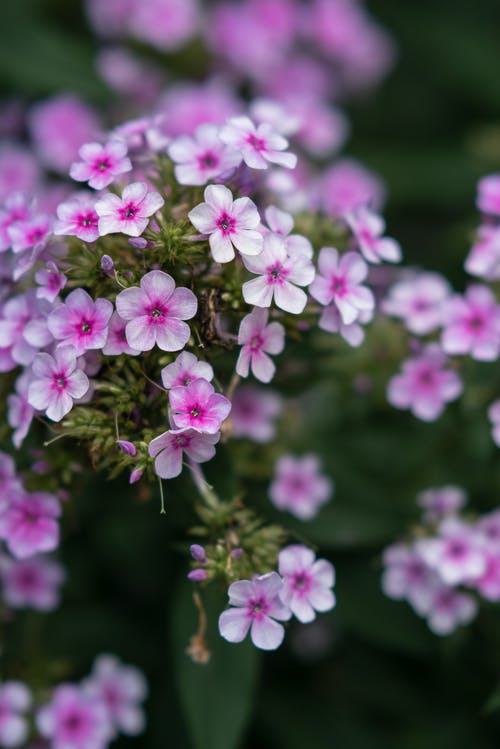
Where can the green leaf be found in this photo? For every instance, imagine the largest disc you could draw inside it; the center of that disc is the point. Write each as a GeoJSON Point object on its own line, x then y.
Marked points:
{"type": "Point", "coordinates": [217, 697]}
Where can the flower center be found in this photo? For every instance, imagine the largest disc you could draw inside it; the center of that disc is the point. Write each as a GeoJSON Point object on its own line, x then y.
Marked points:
{"type": "Point", "coordinates": [426, 377]}
{"type": "Point", "coordinates": [208, 160]}
{"type": "Point", "coordinates": [103, 165]}
{"type": "Point", "coordinates": [61, 382]}
{"type": "Point", "coordinates": [88, 220]}
{"type": "Point", "coordinates": [156, 312]}
{"type": "Point", "coordinates": [255, 343]}
{"type": "Point", "coordinates": [476, 322]}
{"type": "Point", "coordinates": [338, 286]}
{"type": "Point", "coordinates": [258, 144]}
{"type": "Point", "coordinates": [85, 327]}
{"type": "Point", "coordinates": [195, 412]}
{"type": "Point", "coordinates": [276, 273]}
{"type": "Point", "coordinates": [226, 223]}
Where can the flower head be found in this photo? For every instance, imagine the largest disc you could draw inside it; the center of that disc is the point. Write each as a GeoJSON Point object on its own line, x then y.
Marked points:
{"type": "Point", "coordinates": [299, 487]}
{"type": "Point", "coordinates": [80, 322]}
{"type": "Point", "coordinates": [31, 583]}
{"type": "Point", "coordinates": [29, 525]}
{"type": "Point", "coordinates": [228, 223]}
{"type": "Point", "coordinates": [184, 370]}
{"type": "Point", "coordinates": [254, 411]}
{"type": "Point", "coordinates": [50, 282]}
{"type": "Point", "coordinates": [256, 606]}
{"type": "Point", "coordinates": [258, 145]}
{"type": "Point", "coordinates": [168, 449]}
{"type": "Point", "coordinates": [100, 165]}
{"type": "Point", "coordinates": [198, 406]}
{"type": "Point", "coordinates": [74, 719]}
{"type": "Point", "coordinates": [78, 217]}
{"type": "Point", "coordinates": [368, 229]}
{"type": "Point", "coordinates": [418, 302]}
{"type": "Point", "coordinates": [57, 382]}
{"type": "Point", "coordinates": [472, 324]}
{"type": "Point", "coordinates": [456, 554]}
{"type": "Point", "coordinates": [201, 157]}
{"type": "Point", "coordinates": [339, 282]}
{"type": "Point", "coordinates": [15, 700]}
{"type": "Point", "coordinates": [307, 582]}
{"type": "Point", "coordinates": [116, 342]}
{"type": "Point", "coordinates": [258, 339]}
{"type": "Point", "coordinates": [129, 214]}
{"type": "Point", "coordinates": [155, 313]}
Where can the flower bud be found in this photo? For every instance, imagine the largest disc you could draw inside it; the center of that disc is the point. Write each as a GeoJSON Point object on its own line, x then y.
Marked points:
{"type": "Point", "coordinates": [198, 575]}
{"type": "Point", "coordinates": [107, 265]}
{"type": "Point", "coordinates": [135, 476]}
{"type": "Point", "coordinates": [127, 447]}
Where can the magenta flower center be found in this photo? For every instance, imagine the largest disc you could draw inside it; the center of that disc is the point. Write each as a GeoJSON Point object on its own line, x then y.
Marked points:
{"type": "Point", "coordinates": [208, 160]}
{"type": "Point", "coordinates": [258, 144]}
{"type": "Point", "coordinates": [338, 285]}
{"type": "Point", "coordinates": [102, 164]}
{"type": "Point", "coordinates": [36, 235]}
{"type": "Point", "coordinates": [476, 322]}
{"type": "Point", "coordinates": [427, 377]}
{"type": "Point", "coordinates": [276, 273]}
{"type": "Point", "coordinates": [157, 313]}
{"type": "Point", "coordinates": [258, 607]}
{"type": "Point", "coordinates": [457, 549]}
{"type": "Point", "coordinates": [87, 219]}
{"type": "Point", "coordinates": [256, 342]}
{"type": "Point", "coordinates": [86, 327]}
{"type": "Point", "coordinates": [60, 381]}
{"type": "Point", "coordinates": [28, 579]}
{"type": "Point", "coordinates": [128, 211]}
{"type": "Point", "coordinates": [226, 223]}
{"type": "Point", "coordinates": [181, 442]}
{"type": "Point", "coordinates": [302, 581]}
{"type": "Point", "coordinates": [73, 722]}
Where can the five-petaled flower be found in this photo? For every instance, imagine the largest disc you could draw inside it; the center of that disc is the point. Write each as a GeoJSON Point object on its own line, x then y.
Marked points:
{"type": "Point", "coordinates": [307, 582]}
{"type": "Point", "coordinates": [129, 214]}
{"type": "Point", "coordinates": [101, 164]}
{"type": "Point", "coordinates": [258, 339]}
{"type": "Point", "coordinates": [169, 447]}
{"type": "Point", "coordinates": [81, 322]}
{"type": "Point", "coordinates": [258, 145]}
{"type": "Point", "coordinates": [198, 405]}
{"type": "Point", "coordinates": [57, 382]}
{"type": "Point", "coordinates": [339, 282]}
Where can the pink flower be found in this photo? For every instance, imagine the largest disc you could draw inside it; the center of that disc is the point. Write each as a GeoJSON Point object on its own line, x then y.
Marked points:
{"type": "Point", "coordinates": [418, 301]}
{"type": "Point", "coordinates": [368, 229]}
{"type": "Point", "coordinates": [449, 608]}
{"type": "Point", "coordinates": [229, 224]}
{"type": "Point", "coordinates": [51, 281]}
{"type": "Point", "coordinates": [407, 577]}
{"type": "Point", "coordinates": [29, 525]}
{"type": "Point", "coordinates": [472, 324]}
{"type": "Point", "coordinates": [424, 385]}
{"type": "Point", "coordinates": [81, 322]}
{"type": "Point", "coordinates": [201, 157]}
{"type": "Point", "coordinates": [256, 607]}
{"type": "Point", "coordinates": [129, 214]}
{"type": "Point", "coordinates": [116, 342]}
{"type": "Point", "coordinates": [100, 165]}
{"type": "Point", "coordinates": [15, 700]}
{"type": "Point", "coordinates": [78, 217]}
{"type": "Point", "coordinates": [155, 313]}
{"type": "Point", "coordinates": [169, 447]}
{"type": "Point", "coordinates": [33, 232]}
{"type": "Point", "coordinates": [353, 333]}
{"type": "Point", "coordinates": [188, 105]}
{"type": "Point", "coordinates": [441, 502]}
{"type": "Point", "coordinates": [307, 582]}
{"type": "Point", "coordinates": [57, 382]}
{"type": "Point", "coordinates": [74, 720]}
{"type": "Point", "coordinates": [9, 480]}
{"type": "Point", "coordinates": [120, 689]}
{"type": "Point", "coordinates": [258, 339]}
{"type": "Point", "coordinates": [299, 487]}
{"type": "Point", "coordinates": [456, 554]}
{"type": "Point", "coordinates": [23, 329]}
{"type": "Point", "coordinates": [14, 209]}
{"type": "Point", "coordinates": [488, 194]}
{"type": "Point", "coordinates": [254, 411]}
{"type": "Point", "coordinates": [184, 370]}
{"type": "Point", "coordinates": [488, 584]}
{"type": "Point", "coordinates": [59, 126]}
{"type": "Point", "coordinates": [19, 171]}
{"type": "Point", "coordinates": [281, 223]}
{"type": "Point", "coordinates": [198, 406]}
{"type": "Point", "coordinates": [494, 417]}
{"type": "Point", "coordinates": [339, 282]}
{"type": "Point", "coordinates": [165, 24]}
{"type": "Point", "coordinates": [31, 583]}
{"type": "Point", "coordinates": [279, 275]}
{"type": "Point", "coordinates": [348, 185]}
{"type": "Point", "coordinates": [258, 145]}
{"type": "Point", "coordinates": [483, 259]}
{"type": "Point", "coordinates": [19, 412]}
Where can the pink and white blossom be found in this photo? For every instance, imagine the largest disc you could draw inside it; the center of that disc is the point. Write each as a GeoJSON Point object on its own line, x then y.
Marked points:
{"type": "Point", "coordinates": [282, 223]}
{"type": "Point", "coordinates": [299, 486]}
{"type": "Point", "coordinates": [227, 223]}
{"type": "Point", "coordinates": [78, 217]}
{"type": "Point", "coordinates": [418, 301]}
{"type": "Point", "coordinates": [15, 701]}
{"type": "Point", "coordinates": [57, 382]}
{"type": "Point", "coordinates": [348, 185]}
{"type": "Point", "coordinates": [483, 259]}
{"type": "Point", "coordinates": [448, 609]}
{"type": "Point", "coordinates": [116, 342]}
{"type": "Point", "coordinates": [202, 157]}
{"type": "Point", "coordinates": [456, 554]}
{"type": "Point", "coordinates": [74, 720]}
{"type": "Point", "coordinates": [254, 413]}
{"type": "Point", "coordinates": [31, 583]}
{"type": "Point", "coordinates": [80, 321]}
{"type": "Point", "coordinates": [258, 145]}
{"type": "Point", "coordinates": [368, 228]}
{"type": "Point", "coordinates": [29, 525]}
{"type": "Point", "coordinates": [155, 313]}
{"type": "Point", "coordinates": [198, 406]}
{"type": "Point", "coordinates": [50, 282]}
{"type": "Point", "coordinates": [307, 582]}
{"type": "Point", "coordinates": [488, 194]}
{"type": "Point", "coordinates": [425, 384]}
{"type": "Point", "coordinates": [472, 324]}
{"type": "Point", "coordinates": [339, 282]}
{"type": "Point", "coordinates": [23, 329]}
{"type": "Point", "coordinates": [184, 370]}
{"type": "Point", "coordinates": [258, 339]}
{"type": "Point", "coordinates": [279, 276]}
{"type": "Point", "coordinates": [407, 576]}
{"type": "Point", "coordinates": [129, 214]}
{"type": "Point", "coordinates": [256, 607]}
{"type": "Point", "coordinates": [168, 450]}
{"type": "Point", "coordinates": [31, 233]}
{"type": "Point", "coordinates": [101, 164]}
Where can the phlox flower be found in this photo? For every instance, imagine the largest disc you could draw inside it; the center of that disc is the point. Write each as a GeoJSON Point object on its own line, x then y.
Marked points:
{"type": "Point", "coordinates": [155, 312]}
{"type": "Point", "coordinates": [227, 223]}
{"type": "Point", "coordinates": [19, 412]}
{"type": "Point", "coordinates": [168, 449]}
{"type": "Point", "coordinates": [279, 276]}
{"type": "Point", "coordinates": [488, 584]}
{"type": "Point", "coordinates": [201, 157]}
{"type": "Point", "coordinates": [281, 223]}
{"type": "Point", "coordinates": [29, 525]}
{"type": "Point", "coordinates": [256, 606]}
{"type": "Point", "coordinates": [258, 339]}
{"type": "Point", "coordinates": [23, 330]}
{"type": "Point", "coordinates": [424, 384]}
{"type": "Point", "coordinates": [15, 701]}
{"type": "Point", "coordinates": [184, 370]}
{"type": "Point", "coordinates": [185, 106]}
{"type": "Point", "coordinates": [120, 689]}
{"type": "Point", "coordinates": [407, 576]}
{"type": "Point", "coordinates": [101, 164]}
{"type": "Point", "coordinates": [50, 281]}
{"type": "Point", "coordinates": [368, 228]}
{"type": "Point", "coordinates": [81, 322]}
{"type": "Point", "coordinates": [254, 412]}
{"type": "Point", "coordinates": [307, 582]}
{"type": "Point", "coordinates": [438, 503]}
{"type": "Point", "coordinates": [348, 185]}
{"type": "Point", "coordinates": [418, 301]}
{"type": "Point", "coordinates": [129, 214]}
{"type": "Point", "coordinates": [483, 259]}
{"type": "Point", "coordinates": [449, 608]}
{"type": "Point", "coordinates": [19, 171]}
{"type": "Point", "coordinates": [456, 554]}
{"type": "Point", "coordinates": [14, 209]}
{"type": "Point", "coordinates": [258, 145]}
{"type": "Point", "coordinates": [494, 417]}
{"type": "Point", "coordinates": [74, 720]}
{"type": "Point", "coordinates": [165, 24]}
{"type": "Point", "coordinates": [116, 342]}
{"type": "Point", "coordinates": [198, 406]}
{"type": "Point", "coordinates": [353, 333]}
{"type": "Point", "coordinates": [57, 382]}
{"type": "Point", "coordinates": [31, 583]}
{"type": "Point", "coordinates": [339, 281]}
{"type": "Point", "coordinates": [33, 232]}
{"type": "Point", "coordinates": [488, 194]}
{"type": "Point", "coordinates": [472, 324]}
{"type": "Point", "coordinates": [299, 486]}
{"type": "Point", "coordinates": [78, 217]}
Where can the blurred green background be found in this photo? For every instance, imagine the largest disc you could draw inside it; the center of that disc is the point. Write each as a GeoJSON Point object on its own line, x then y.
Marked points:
{"type": "Point", "coordinates": [369, 675]}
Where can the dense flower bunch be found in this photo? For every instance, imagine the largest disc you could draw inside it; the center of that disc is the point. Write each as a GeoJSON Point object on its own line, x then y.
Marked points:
{"type": "Point", "coordinates": [447, 557]}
